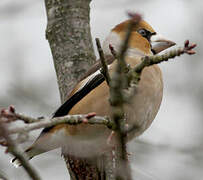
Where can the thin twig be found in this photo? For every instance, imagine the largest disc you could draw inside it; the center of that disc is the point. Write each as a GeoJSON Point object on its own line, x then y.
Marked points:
{"type": "Point", "coordinates": [69, 119]}
{"type": "Point", "coordinates": [135, 74]}
{"type": "Point", "coordinates": [135, 19]}
{"type": "Point", "coordinates": [3, 176]}
{"type": "Point", "coordinates": [13, 149]}
{"type": "Point", "coordinates": [151, 60]}
{"type": "Point", "coordinates": [26, 119]}
{"type": "Point", "coordinates": [113, 52]}
{"type": "Point", "coordinates": [104, 69]}
{"type": "Point", "coordinates": [119, 80]}
{"type": "Point", "coordinates": [9, 115]}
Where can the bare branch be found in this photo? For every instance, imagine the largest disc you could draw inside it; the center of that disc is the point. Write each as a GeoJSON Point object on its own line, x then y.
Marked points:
{"type": "Point", "coordinates": [13, 149]}
{"type": "Point", "coordinates": [3, 176]}
{"type": "Point", "coordinates": [119, 81]}
{"type": "Point", "coordinates": [89, 118]}
{"type": "Point", "coordinates": [135, 19]}
{"type": "Point", "coordinates": [113, 52]}
{"type": "Point", "coordinates": [151, 60]}
{"type": "Point", "coordinates": [104, 69]}
{"type": "Point", "coordinates": [69, 119]}
{"type": "Point", "coordinates": [9, 115]}
{"type": "Point", "coordinates": [135, 74]}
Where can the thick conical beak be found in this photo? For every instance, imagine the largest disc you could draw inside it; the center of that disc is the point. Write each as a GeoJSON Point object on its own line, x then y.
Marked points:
{"type": "Point", "coordinates": [159, 43]}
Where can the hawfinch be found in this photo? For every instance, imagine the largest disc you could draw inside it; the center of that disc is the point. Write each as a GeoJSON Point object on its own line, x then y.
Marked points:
{"type": "Point", "coordinates": [91, 94]}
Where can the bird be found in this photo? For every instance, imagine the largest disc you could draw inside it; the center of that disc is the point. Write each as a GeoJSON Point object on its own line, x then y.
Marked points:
{"type": "Point", "coordinates": [91, 94]}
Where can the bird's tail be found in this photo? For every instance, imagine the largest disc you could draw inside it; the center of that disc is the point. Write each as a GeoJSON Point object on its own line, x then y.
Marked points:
{"type": "Point", "coordinates": [45, 142]}
{"type": "Point", "coordinates": [29, 153]}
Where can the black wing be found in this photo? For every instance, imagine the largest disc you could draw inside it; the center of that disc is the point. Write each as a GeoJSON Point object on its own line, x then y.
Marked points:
{"type": "Point", "coordinates": [74, 99]}
{"type": "Point", "coordinates": [89, 86]}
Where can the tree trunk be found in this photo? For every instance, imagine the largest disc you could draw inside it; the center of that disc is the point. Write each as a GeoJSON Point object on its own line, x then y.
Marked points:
{"type": "Point", "coordinates": [68, 33]}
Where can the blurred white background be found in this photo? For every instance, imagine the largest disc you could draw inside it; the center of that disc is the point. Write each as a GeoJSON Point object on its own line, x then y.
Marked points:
{"type": "Point", "coordinates": [172, 147]}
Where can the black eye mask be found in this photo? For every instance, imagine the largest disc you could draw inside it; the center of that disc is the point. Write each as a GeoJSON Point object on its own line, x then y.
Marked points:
{"type": "Point", "coordinates": [146, 34]}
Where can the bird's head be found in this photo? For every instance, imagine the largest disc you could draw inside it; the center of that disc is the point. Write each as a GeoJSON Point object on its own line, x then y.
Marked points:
{"type": "Point", "coordinates": [143, 41]}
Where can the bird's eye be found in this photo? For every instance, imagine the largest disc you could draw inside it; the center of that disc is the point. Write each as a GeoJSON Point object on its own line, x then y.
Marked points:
{"type": "Point", "coordinates": [143, 32]}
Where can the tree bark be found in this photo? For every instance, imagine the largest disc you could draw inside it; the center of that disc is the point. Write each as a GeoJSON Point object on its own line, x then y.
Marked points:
{"type": "Point", "coordinates": [68, 33]}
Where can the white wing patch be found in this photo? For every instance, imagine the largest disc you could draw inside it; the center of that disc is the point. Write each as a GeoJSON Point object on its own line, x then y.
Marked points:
{"type": "Point", "coordinates": [88, 79]}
